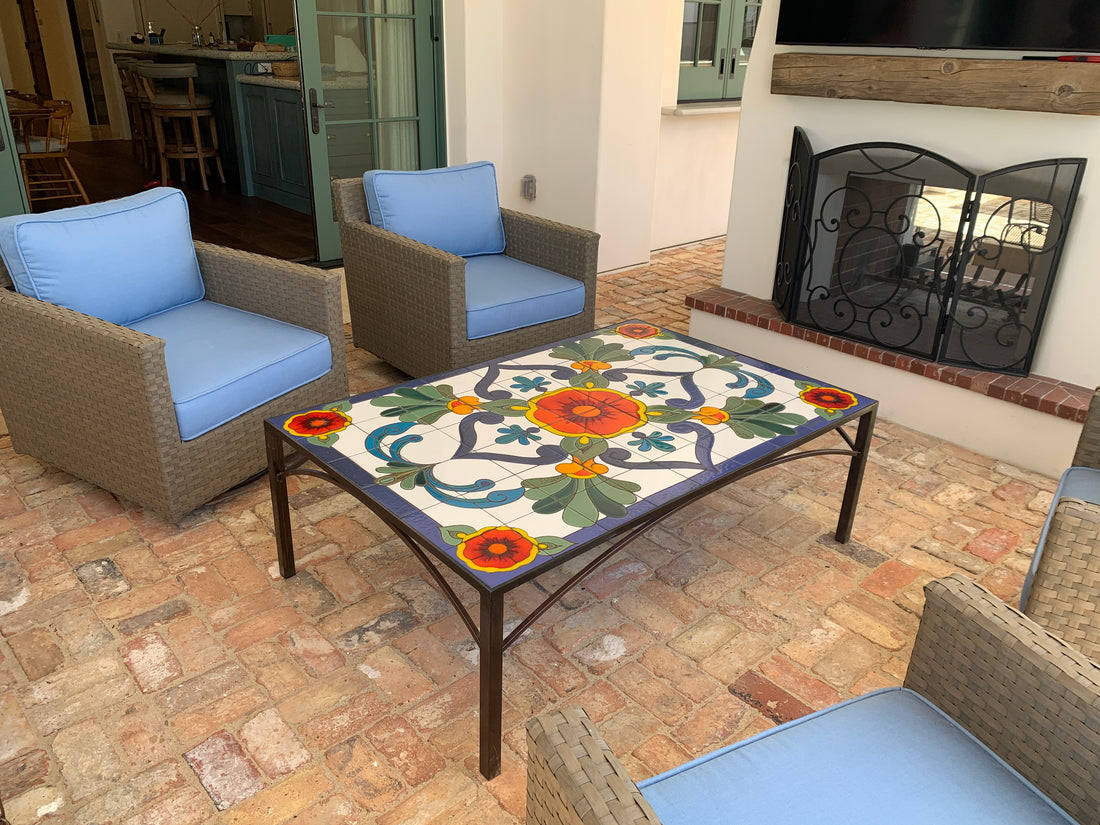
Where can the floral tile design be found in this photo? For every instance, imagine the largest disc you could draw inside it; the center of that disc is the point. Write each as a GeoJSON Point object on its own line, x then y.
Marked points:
{"type": "Point", "coordinates": [504, 465]}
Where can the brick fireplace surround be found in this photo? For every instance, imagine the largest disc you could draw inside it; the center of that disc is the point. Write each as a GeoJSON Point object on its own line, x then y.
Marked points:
{"type": "Point", "coordinates": [1035, 392]}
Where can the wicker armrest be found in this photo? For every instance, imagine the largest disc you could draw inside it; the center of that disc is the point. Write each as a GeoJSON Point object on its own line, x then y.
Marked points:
{"type": "Point", "coordinates": [1088, 445]}
{"type": "Point", "coordinates": [1065, 590]}
{"type": "Point", "coordinates": [99, 378]}
{"type": "Point", "coordinates": [558, 247]}
{"type": "Point", "coordinates": [1030, 697]}
{"type": "Point", "coordinates": [401, 289]}
{"type": "Point", "coordinates": [573, 777]}
{"type": "Point", "coordinates": [291, 292]}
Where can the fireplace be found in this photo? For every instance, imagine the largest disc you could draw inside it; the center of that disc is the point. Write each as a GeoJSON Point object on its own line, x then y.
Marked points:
{"type": "Point", "coordinates": [901, 248]}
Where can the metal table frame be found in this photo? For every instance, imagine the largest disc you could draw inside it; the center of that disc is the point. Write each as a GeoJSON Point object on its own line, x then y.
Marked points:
{"type": "Point", "coordinates": [488, 633]}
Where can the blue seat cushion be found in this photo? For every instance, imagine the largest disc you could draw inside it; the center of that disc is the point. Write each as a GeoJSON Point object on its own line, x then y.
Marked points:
{"type": "Point", "coordinates": [454, 208]}
{"type": "Point", "coordinates": [889, 756]}
{"type": "Point", "coordinates": [503, 294]}
{"type": "Point", "coordinates": [223, 361]}
{"type": "Point", "coordinates": [120, 260]}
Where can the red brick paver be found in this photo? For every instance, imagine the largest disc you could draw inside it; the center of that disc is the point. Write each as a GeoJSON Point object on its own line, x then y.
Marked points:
{"type": "Point", "coordinates": [154, 673]}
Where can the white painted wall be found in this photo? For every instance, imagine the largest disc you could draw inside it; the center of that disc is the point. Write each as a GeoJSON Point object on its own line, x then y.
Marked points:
{"type": "Point", "coordinates": [982, 139]}
{"type": "Point", "coordinates": [551, 107]}
{"type": "Point", "coordinates": [571, 92]}
{"type": "Point", "coordinates": [694, 176]}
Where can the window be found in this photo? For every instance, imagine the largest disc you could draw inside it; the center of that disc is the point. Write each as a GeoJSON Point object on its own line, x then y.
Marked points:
{"type": "Point", "coordinates": [715, 46]}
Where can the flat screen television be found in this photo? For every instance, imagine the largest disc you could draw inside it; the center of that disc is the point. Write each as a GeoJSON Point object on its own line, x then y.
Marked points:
{"type": "Point", "coordinates": [1064, 26]}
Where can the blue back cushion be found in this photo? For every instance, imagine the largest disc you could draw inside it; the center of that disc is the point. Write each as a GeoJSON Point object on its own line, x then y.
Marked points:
{"type": "Point", "coordinates": [120, 260]}
{"type": "Point", "coordinates": [454, 209]}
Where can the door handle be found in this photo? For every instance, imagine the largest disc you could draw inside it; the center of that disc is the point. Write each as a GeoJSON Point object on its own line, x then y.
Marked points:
{"type": "Point", "coordinates": [722, 63]}
{"type": "Point", "coordinates": [314, 117]}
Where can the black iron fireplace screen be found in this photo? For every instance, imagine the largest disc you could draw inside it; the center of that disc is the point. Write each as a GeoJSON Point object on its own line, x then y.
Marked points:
{"type": "Point", "coordinates": [903, 249]}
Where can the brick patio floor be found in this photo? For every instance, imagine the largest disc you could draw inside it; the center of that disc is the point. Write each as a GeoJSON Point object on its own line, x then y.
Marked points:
{"type": "Point", "coordinates": [152, 673]}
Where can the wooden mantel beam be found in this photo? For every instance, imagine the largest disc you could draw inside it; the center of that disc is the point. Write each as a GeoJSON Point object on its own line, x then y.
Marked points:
{"type": "Point", "coordinates": [1024, 85]}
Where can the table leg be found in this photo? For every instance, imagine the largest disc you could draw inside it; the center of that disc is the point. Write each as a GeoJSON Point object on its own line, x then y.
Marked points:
{"type": "Point", "coordinates": [855, 475]}
{"type": "Point", "coordinates": [280, 506]}
{"type": "Point", "coordinates": [491, 683]}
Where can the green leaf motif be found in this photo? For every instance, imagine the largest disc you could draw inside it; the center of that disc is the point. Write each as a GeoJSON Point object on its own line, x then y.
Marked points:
{"type": "Point", "coordinates": [341, 406]}
{"type": "Point", "coordinates": [750, 418]}
{"type": "Point", "coordinates": [663, 414]}
{"type": "Point", "coordinates": [589, 379]}
{"type": "Point", "coordinates": [451, 533]}
{"type": "Point", "coordinates": [721, 362]}
{"type": "Point", "coordinates": [581, 510]}
{"type": "Point", "coordinates": [508, 407]}
{"type": "Point", "coordinates": [591, 349]}
{"type": "Point", "coordinates": [552, 545]}
{"type": "Point", "coordinates": [829, 415]}
{"type": "Point", "coordinates": [408, 476]}
{"type": "Point", "coordinates": [422, 405]}
{"type": "Point", "coordinates": [583, 448]}
{"type": "Point", "coordinates": [326, 440]}
{"type": "Point", "coordinates": [581, 501]}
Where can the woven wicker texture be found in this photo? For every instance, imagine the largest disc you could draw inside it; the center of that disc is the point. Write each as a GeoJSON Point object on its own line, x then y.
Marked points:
{"type": "Point", "coordinates": [573, 777]}
{"type": "Point", "coordinates": [93, 398]}
{"type": "Point", "coordinates": [1029, 696]}
{"type": "Point", "coordinates": [1088, 444]}
{"type": "Point", "coordinates": [408, 301]}
{"type": "Point", "coordinates": [1065, 591]}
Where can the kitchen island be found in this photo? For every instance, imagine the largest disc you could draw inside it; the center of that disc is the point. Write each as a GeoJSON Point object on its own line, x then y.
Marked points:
{"type": "Point", "coordinates": [274, 132]}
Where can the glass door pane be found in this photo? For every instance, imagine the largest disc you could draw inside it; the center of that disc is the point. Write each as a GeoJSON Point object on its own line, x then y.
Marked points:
{"type": "Point", "coordinates": [370, 67]}
{"type": "Point", "coordinates": [705, 57]}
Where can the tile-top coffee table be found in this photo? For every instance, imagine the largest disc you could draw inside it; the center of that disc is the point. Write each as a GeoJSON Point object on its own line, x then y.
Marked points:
{"type": "Point", "coordinates": [504, 470]}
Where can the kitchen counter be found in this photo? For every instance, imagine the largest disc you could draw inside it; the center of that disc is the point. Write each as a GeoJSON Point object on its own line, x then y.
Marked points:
{"type": "Point", "coordinates": [207, 53]}
{"type": "Point", "coordinates": [271, 81]}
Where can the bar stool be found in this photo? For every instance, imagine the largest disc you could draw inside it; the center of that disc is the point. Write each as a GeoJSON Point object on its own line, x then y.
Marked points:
{"type": "Point", "coordinates": [143, 141]}
{"type": "Point", "coordinates": [186, 113]}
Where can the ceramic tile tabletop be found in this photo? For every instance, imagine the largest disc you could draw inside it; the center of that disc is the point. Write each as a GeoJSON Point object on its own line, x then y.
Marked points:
{"type": "Point", "coordinates": [501, 466]}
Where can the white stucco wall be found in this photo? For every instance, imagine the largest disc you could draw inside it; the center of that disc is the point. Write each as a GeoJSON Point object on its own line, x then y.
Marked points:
{"type": "Point", "coordinates": [981, 139]}
{"type": "Point", "coordinates": [571, 92]}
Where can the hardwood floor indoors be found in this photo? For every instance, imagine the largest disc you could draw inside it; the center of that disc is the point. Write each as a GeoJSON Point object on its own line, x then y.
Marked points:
{"type": "Point", "coordinates": [108, 169]}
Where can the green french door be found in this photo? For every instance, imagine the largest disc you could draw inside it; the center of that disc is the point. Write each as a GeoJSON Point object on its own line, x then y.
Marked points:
{"type": "Point", "coordinates": [715, 46]}
{"type": "Point", "coordinates": [13, 200]}
{"type": "Point", "coordinates": [371, 82]}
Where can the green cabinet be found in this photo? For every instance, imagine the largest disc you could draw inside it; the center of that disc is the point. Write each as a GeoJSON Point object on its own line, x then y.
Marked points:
{"type": "Point", "coordinates": [274, 132]}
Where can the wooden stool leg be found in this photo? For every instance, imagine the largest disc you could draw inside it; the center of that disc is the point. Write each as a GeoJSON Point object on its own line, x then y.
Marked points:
{"type": "Point", "coordinates": [179, 148]}
{"type": "Point", "coordinates": [217, 152]}
{"type": "Point", "coordinates": [196, 134]}
{"type": "Point", "coordinates": [158, 128]}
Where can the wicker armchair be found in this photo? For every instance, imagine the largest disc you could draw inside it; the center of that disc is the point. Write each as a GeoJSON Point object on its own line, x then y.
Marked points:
{"type": "Point", "coordinates": [93, 398]}
{"type": "Point", "coordinates": [1028, 696]}
{"type": "Point", "coordinates": [1062, 588]}
{"type": "Point", "coordinates": [407, 300]}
